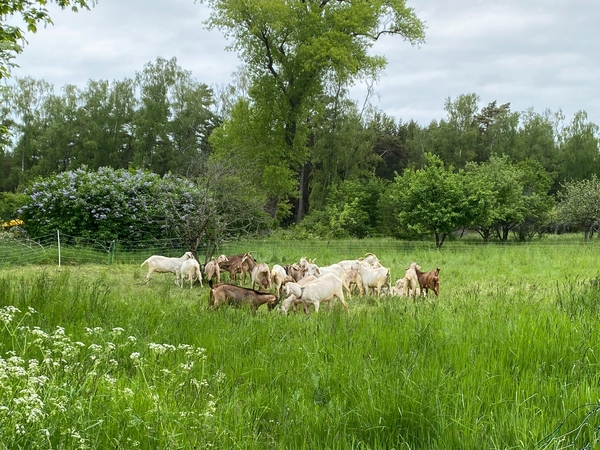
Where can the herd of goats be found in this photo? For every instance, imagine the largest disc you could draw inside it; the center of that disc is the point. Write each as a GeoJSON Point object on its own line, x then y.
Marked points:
{"type": "Point", "coordinates": [302, 283]}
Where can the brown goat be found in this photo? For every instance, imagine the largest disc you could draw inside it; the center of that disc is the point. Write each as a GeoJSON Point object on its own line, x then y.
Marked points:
{"type": "Point", "coordinates": [238, 296]}
{"type": "Point", "coordinates": [429, 280]}
{"type": "Point", "coordinates": [235, 264]}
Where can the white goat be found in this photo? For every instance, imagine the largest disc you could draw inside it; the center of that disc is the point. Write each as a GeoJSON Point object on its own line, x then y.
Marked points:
{"type": "Point", "coordinates": [324, 289]}
{"type": "Point", "coordinates": [278, 277]}
{"type": "Point", "coordinates": [292, 299]}
{"type": "Point", "coordinates": [352, 277]}
{"type": "Point", "coordinates": [374, 279]}
{"type": "Point", "coordinates": [310, 267]}
{"type": "Point", "coordinates": [397, 289]}
{"type": "Point", "coordinates": [163, 264]}
{"type": "Point", "coordinates": [371, 260]}
{"type": "Point", "coordinates": [348, 264]}
{"type": "Point", "coordinates": [335, 269]}
{"type": "Point", "coordinates": [411, 281]}
{"type": "Point", "coordinates": [190, 270]}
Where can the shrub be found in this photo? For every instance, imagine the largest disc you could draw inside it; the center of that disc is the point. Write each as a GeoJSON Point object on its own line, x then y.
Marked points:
{"type": "Point", "coordinates": [107, 204]}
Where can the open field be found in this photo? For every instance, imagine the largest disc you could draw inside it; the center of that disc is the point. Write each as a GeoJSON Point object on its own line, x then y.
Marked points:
{"type": "Point", "coordinates": [506, 358]}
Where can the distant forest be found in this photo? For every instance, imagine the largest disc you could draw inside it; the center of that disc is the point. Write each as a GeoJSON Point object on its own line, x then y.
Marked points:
{"type": "Point", "coordinates": [164, 120]}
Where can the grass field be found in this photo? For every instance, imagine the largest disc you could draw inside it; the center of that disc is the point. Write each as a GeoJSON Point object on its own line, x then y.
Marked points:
{"type": "Point", "coordinates": [507, 357]}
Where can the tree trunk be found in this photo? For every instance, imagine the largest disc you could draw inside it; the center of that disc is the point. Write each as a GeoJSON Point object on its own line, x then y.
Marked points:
{"type": "Point", "coordinates": [302, 194]}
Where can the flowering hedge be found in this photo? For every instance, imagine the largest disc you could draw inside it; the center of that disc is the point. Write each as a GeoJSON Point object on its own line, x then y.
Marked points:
{"type": "Point", "coordinates": [107, 204]}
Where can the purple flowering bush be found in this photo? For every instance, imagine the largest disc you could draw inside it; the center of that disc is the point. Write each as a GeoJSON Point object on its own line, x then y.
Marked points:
{"type": "Point", "coordinates": [106, 204]}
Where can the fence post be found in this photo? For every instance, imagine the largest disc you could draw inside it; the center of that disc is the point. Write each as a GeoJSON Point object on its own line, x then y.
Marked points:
{"type": "Point", "coordinates": [111, 252]}
{"type": "Point", "coordinates": [58, 239]}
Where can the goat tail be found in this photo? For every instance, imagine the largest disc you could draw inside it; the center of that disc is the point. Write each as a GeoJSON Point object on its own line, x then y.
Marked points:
{"type": "Point", "coordinates": [144, 263]}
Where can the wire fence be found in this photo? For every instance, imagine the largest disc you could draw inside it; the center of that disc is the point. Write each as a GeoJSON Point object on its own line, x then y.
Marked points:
{"type": "Point", "coordinates": [58, 249]}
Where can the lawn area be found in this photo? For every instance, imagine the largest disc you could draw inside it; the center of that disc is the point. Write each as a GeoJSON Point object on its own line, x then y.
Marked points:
{"type": "Point", "coordinates": [505, 358]}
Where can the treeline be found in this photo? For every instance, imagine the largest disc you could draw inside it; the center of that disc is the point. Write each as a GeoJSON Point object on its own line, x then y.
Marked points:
{"type": "Point", "coordinates": [349, 160]}
{"type": "Point", "coordinates": [160, 120]}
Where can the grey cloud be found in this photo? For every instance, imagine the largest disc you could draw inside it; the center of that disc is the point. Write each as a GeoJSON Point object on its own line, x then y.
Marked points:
{"type": "Point", "coordinates": [532, 53]}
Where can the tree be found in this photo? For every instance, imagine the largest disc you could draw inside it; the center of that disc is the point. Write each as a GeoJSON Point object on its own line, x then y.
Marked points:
{"type": "Point", "coordinates": [172, 125]}
{"type": "Point", "coordinates": [291, 48]}
{"type": "Point", "coordinates": [33, 13]}
{"type": "Point", "coordinates": [506, 197]}
{"type": "Point", "coordinates": [579, 204]}
{"type": "Point", "coordinates": [105, 204]}
{"type": "Point", "coordinates": [430, 201]}
{"type": "Point", "coordinates": [579, 149]}
{"type": "Point", "coordinates": [536, 140]}
{"type": "Point", "coordinates": [341, 148]}
{"type": "Point", "coordinates": [216, 205]}
{"type": "Point", "coordinates": [497, 130]}
{"type": "Point", "coordinates": [28, 99]}
{"type": "Point", "coordinates": [351, 211]}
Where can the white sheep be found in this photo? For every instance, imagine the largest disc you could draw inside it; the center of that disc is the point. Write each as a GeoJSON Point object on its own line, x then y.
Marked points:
{"type": "Point", "coordinates": [163, 264]}
{"type": "Point", "coordinates": [190, 270]}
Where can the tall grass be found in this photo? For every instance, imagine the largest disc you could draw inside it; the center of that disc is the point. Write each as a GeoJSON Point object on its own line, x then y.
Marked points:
{"type": "Point", "coordinates": [506, 358]}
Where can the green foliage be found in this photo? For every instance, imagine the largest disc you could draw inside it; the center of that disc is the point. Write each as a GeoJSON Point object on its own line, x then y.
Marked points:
{"type": "Point", "coordinates": [351, 211]}
{"type": "Point", "coordinates": [133, 205]}
{"type": "Point", "coordinates": [496, 185]}
{"type": "Point", "coordinates": [430, 201]}
{"type": "Point", "coordinates": [506, 358]}
{"type": "Point", "coordinates": [291, 50]}
{"type": "Point", "coordinates": [579, 204]}
{"type": "Point", "coordinates": [10, 204]}
{"type": "Point", "coordinates": [107, 204]}
{"type": "Point", "coordinates": [33, 13]}
{"type": "Point", "coordinates": [578, 146]}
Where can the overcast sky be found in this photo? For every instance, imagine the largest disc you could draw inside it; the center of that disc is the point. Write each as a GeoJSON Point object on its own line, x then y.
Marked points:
{"type": "Point", "coordinates": [540, 54]}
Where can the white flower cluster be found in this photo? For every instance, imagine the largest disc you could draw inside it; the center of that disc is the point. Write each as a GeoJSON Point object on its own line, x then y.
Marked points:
{"type": "Point", "coordinates": [71, 378]}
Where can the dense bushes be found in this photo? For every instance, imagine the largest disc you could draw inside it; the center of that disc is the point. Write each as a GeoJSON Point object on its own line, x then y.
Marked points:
{"type": "Point", "coordinates": [106, 204]}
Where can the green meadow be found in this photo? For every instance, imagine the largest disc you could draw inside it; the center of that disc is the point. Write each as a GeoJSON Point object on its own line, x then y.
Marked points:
{"type": "Point", "coordinates": [507, 357]}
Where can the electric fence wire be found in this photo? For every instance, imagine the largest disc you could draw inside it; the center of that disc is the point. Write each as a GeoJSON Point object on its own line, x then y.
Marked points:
{"type": "Point", "coordinates": [574, 433]}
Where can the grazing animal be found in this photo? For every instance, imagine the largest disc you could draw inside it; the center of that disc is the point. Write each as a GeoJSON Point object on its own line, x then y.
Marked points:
{"type": "Point", "coordinates": [335, 269]}
{"type": "Point", "coordinates": [374, 279]}
{"type": "Point", "coordinates": [397, 289]}
{"type": "Point", "coordinates": [190, 270]}
{"type": "Point", "coordinates": [292, 299]}
{"type": "Point", "coordinates": [212, 269]}
{"type": "Point", "coordinates": [260, 275]}
{"type": "Point", "coordinates": [429, 280]}
{"type": "Point", "coordinates": [411, 281]}
{"type": "Point", "coordinates": [371, 260]}
{"type": "Point", "coordinates": [238, 296]}
{"type": "Point", "coordinates": [310, 266]}
{"type": "Point", "coordinates": [278, 276]}
{"type": "Point", "coordinates": [348, 264]}
{"type": "Point", "coordinates": [352, 278]}
{"type": "Point", "coordinates": [163, 264]}
{"type": "Point", "coordinates": [324, 289]}
{"type": "Point", "coordinates": [233, 265]}
{"type": "Point", "coordinates": [295, 271]}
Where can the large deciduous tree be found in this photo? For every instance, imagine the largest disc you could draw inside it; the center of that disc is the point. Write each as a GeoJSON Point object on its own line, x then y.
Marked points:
{"type": "Point", "coordinates": [33, 14]}
{"type": "Point", "coordinates": [291, 49]}
{"type": "Point", "coordinates": [579, 204]}
{"type": "Point", "coordinates": [430, 201]}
